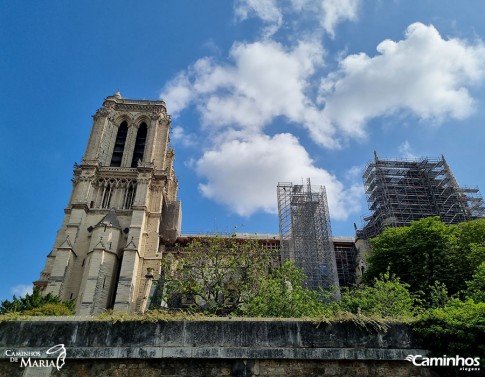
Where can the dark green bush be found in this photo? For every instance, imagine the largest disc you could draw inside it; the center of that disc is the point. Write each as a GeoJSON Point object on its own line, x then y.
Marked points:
{"type": "Point", "coordinates": [457, 329]}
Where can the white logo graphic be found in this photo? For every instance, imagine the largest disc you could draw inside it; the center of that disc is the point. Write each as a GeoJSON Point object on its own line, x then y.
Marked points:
{"type": "Point", "coordinates": [411, 358]}
{"type": "Point", "coordinates": [465, 363]}
{"type": "Point", "coordinates": [61, 358]}
{"type": "Point", "coordinates": [33, 359]}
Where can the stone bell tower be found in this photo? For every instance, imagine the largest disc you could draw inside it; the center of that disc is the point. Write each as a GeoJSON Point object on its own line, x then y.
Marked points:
{"type": "Point", "coordinates": [123, 201]}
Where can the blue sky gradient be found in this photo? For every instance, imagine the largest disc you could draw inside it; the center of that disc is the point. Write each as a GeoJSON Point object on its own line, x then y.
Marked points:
{"type": "Point", "coordinates": [260, 92]}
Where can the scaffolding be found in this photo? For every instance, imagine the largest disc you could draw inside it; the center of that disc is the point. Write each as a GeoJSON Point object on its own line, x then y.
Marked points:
{"type": "Point", "coordinates": [305, 233]}
{"type": "Point", "coordinates": [346, 260]}
{"type": "Point", "coordinates": [401, 191]}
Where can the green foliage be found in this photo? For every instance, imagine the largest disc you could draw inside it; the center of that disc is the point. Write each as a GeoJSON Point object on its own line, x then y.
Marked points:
{"type": "Point", "coordinates": [49, 310]}
{"type": "Point", "coordinates": [476, 286]}
{"type": "Point", "coordinates": [429, 251]}
{"type": "Point", "coordinates": [159, 315]}
{"type": "Point", "coordinates": [438, 295]}
{"type": "Point", "coordinates": [387, 297]}
{"type": "Point", "coordinates": [218, 274]}
{"type": "Point", "coordinates": [457, 329]}
{"type": "Point", "coordinates": [283, 295]}
{"type": "Point", "coordinates": [35, 301]}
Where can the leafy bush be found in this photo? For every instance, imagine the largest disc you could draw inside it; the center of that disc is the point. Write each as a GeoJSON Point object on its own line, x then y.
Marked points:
{"type": "Point", "coordinates": [388, 297]}
{"type": "Point", "coordinates": [476, 286]}
{"type": "Point", "coordinates": [457, 329]}
{"type": "Point", "coordinates": [49, 310]}
{"type": "Point", "coordinates": [283, 295]}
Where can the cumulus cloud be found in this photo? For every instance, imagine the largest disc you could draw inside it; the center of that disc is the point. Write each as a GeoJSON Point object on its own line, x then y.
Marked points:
{"type": "Point", "coordinates": [265, 81]}
{"type": "Point", "coordinates": [424, 74]}
{"type": "Point", "coordinates": [243, 173]}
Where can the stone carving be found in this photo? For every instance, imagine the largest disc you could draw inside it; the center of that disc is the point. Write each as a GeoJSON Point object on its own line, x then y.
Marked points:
{"type": "Point", "coordinates": [101, 113]}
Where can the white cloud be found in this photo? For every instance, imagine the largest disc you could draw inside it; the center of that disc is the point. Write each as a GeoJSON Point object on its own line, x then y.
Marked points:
{"type": "Point", "coordinates": [424, 74]}
{"type": "Point", "coordinates": [266, 10]}
{"type": "Point", "coordinates": [335, 11]}
{"type": "Point", "coordinates": [177, 93]}
{"type": "Point", "coordinates": [266, 81]}
{"type": "Point", "coordinates": [21, 290]}
{"type": "Point", "coordinates": [406, 151]}
{"type": "Point", "coordinates": [328, 13]}
{"type": "Point", "coordinates": [354, 173]}
{"type": "Point", "coordinates": [179, 136]}
{"type": "Point", "coordinates": [243, 173]}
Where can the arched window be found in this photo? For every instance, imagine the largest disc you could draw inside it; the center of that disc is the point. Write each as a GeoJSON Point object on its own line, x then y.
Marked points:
{"type": "Point", "coordinates": [141, 137]}
{"type": "Point", "coordinates": [107, 195]}
{"type": "Point", "coordinates": [129, 195]}
{"type": "Point", "coordinates": [119, 145]}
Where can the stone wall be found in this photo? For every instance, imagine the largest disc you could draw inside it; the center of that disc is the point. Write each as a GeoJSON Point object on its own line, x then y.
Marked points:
{"type": "Point", "coordinates": [210, 348]}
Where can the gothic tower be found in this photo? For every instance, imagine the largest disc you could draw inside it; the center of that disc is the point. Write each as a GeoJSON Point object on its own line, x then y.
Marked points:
{"type": "Point", "coordinates": [123, 202]}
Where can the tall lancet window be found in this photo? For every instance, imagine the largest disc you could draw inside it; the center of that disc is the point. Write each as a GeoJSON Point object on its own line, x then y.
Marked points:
{"type": "Point", "coordinates": [141, 138]}
{"type": "Point", "coordinates": [119, 145]}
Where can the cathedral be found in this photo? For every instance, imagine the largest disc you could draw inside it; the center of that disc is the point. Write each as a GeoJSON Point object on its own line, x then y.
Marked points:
{"type": "Point", "coordinates": [122, 208]}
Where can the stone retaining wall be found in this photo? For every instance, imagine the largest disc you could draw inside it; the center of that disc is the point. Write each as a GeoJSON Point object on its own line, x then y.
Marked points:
{"type": "Point", "coordinates": [208, 348]}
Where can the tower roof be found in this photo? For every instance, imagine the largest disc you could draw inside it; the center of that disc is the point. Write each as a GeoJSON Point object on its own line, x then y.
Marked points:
{"type": "Point", "coordinates": [110, 220]}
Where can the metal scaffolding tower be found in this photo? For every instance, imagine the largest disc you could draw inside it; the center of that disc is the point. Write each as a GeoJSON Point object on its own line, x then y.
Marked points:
{"type": "Point", "coordinates": [400, 191]}
{"type": "Point", "coordinates": [305, 233]}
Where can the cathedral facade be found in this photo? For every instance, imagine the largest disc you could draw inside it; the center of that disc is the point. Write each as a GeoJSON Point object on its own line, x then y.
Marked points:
{"type": "Point", "coordinates": [123, 206]}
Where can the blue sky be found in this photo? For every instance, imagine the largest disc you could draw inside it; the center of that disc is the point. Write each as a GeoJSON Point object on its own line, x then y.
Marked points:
{"type": "Point", "coordinates": [260, 91]}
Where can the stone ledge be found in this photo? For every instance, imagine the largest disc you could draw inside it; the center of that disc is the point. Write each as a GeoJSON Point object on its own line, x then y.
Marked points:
{"type": "Point", "coordinates": [233, 353]}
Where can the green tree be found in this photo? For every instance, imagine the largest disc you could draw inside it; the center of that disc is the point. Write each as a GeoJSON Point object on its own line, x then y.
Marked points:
{"type": "Point", "coordinates": [469, 250]}
{"type": "Point", "coordinates": [35, 300]}
{"type": "Point", "coordinates": [476, 286]}
{"type": "Point", "coordinates": [429, 251]}
{"type": "Point", "coordinates": [218, 274]}
{"type": "Point", "coordinates": [282, 294]}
